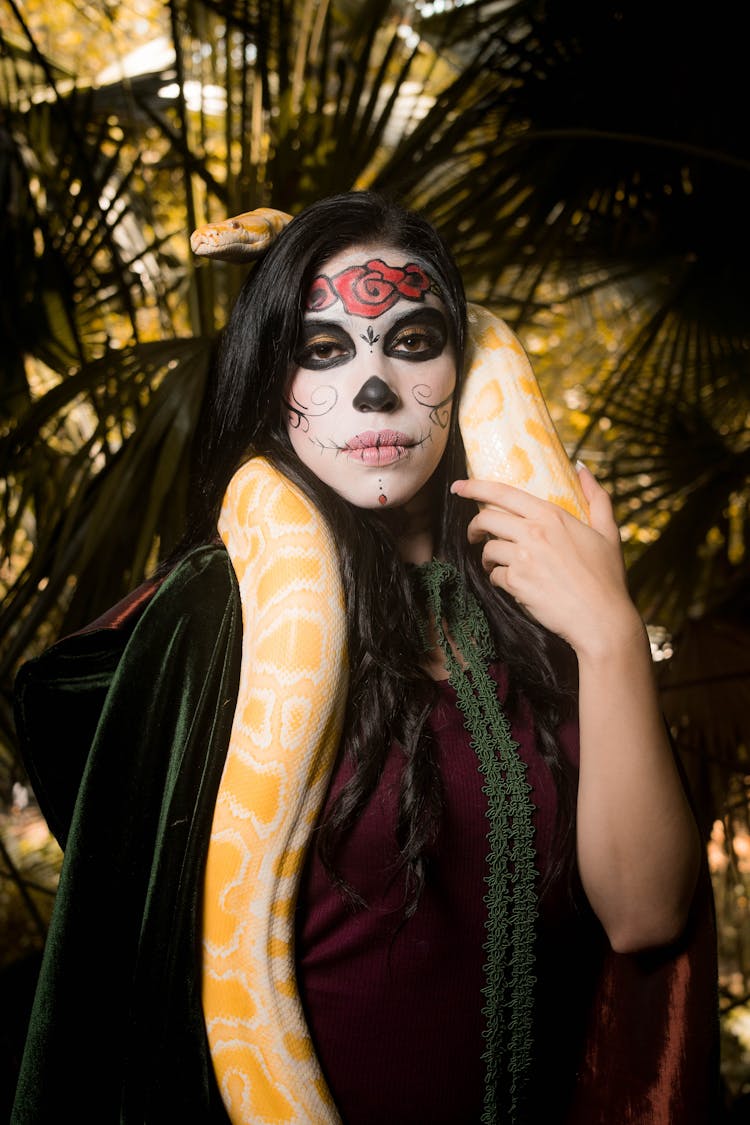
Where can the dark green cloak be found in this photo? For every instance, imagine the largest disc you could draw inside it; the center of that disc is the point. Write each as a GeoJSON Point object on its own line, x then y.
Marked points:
{"type": "Point", "coordinates": [125, 728]}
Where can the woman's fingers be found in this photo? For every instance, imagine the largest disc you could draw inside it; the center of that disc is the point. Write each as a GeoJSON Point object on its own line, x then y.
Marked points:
{"type": "Point", "coordinates": [600, 505]}
{"type": "Point", "coordinates": [498, 552]}
{"type": "Point", "coordinates": [507, 512]}
{"type": "Point", "coordinates": [496, 495]}
{"type": "Point", "coordinates": [567, 574]}
{"type": "Point", "coordinates": [499, 495]}
{"type": "Point", "coordinates": [494, 522]}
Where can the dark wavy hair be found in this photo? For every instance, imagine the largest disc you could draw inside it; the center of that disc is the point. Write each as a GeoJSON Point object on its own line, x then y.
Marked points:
{"type": "Point", "coordinates": [390, 695]}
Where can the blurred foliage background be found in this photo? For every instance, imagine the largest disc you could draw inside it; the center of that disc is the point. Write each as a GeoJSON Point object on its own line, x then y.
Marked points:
{"type": "Point", "coordinates": [589, 164]}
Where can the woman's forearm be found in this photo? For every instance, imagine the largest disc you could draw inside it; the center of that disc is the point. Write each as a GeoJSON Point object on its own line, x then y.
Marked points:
{"type": "Point", "coordinates": [638, 843]}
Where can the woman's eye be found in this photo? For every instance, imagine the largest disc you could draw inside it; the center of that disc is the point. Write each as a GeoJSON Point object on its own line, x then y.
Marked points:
{"type": "Point", "coordinates": [321, 353]}
{"type": "Point", "coordinates": [418, 343]}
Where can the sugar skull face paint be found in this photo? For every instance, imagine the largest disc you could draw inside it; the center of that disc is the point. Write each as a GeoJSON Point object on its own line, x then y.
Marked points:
{"type": "Point", "coordinates": [370, 401]}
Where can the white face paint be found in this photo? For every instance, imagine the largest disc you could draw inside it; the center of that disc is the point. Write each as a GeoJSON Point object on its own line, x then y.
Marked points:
{"type": "Point", "coordinates": [370, 402]}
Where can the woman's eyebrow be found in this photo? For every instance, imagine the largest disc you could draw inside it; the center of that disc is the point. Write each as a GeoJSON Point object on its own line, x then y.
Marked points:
{"type": "Point", "coordinates": [428, 316]}
{"type": "Point", "coordinates": [312, 328]}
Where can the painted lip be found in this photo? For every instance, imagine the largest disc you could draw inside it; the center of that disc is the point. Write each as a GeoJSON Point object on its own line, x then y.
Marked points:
{"type": "Point", "coordinates": [378, 447]}
{"type": "Point", "coordinates": [378, 438]}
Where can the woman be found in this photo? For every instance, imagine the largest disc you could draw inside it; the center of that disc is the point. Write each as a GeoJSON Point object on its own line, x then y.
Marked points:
{"type": "Point", "coordinates": [417, 950]}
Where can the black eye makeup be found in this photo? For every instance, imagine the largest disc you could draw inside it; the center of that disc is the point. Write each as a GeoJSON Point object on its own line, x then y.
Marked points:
{"type": "Point", "coordinates": [418, 336]}
{"type": "Point", "coordinates": [323, 345]}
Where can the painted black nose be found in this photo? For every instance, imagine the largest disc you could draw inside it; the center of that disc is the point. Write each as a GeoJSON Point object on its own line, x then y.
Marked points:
{"type": "Point", "coordinates": [375, 395]}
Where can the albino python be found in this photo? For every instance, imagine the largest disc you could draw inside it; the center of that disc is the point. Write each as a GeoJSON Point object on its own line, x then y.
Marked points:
{"type": "Point", "coordinates": [288, 716]}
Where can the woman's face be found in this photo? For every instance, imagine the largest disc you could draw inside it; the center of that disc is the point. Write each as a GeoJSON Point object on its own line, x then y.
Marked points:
{"type": "Point", "coordinates": [369, 404]}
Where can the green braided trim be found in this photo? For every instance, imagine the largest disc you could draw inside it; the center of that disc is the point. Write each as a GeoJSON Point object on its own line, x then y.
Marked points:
{"type": "Point", "coordinates": [511, 896]}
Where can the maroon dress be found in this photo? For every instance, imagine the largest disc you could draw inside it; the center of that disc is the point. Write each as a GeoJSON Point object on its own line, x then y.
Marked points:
{"type": "Point", "coordinates": [395, 1007]}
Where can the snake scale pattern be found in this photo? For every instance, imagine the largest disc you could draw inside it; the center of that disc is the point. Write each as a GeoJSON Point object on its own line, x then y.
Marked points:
{"type": "Point", "coordinates": [289, 711]}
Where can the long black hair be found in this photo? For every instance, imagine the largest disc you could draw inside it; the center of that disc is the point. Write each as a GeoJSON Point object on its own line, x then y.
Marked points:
{"type": "Point", "coordinates": [390, 695]}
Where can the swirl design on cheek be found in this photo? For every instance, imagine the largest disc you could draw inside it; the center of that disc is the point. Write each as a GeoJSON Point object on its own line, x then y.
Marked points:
{"type": "Point", "coordinates": [322, 398]}
{"type": "Point", "coordinates": [440, 412]}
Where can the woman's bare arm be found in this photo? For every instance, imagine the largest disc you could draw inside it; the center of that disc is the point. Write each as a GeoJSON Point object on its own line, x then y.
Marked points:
{"type": "Point", "coordinates": [638, 844]}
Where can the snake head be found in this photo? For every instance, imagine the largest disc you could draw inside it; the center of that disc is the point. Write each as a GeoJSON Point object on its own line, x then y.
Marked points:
{"type": "Point", "coordinates": [241, 237]}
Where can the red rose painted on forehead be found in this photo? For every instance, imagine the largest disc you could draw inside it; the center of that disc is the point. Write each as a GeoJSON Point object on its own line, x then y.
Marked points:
{"type": "Point", "coordinates": [371, 289]}
{"type": "Point", "coordinates": [412, 281]}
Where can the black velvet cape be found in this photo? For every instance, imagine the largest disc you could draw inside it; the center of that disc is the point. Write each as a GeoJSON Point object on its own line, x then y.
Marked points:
{"type": "Point", "coordinates": [124, 729]}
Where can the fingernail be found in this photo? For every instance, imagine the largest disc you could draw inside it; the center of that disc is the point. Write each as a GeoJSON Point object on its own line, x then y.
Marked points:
{"type": "Point", "coordinates": [580, 464]}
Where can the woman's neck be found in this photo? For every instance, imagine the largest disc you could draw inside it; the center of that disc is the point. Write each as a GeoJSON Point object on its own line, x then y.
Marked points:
{"type": "Point", "coordinates": [413, 526]}
{"type": "Point", "coordinates": [416, 546]}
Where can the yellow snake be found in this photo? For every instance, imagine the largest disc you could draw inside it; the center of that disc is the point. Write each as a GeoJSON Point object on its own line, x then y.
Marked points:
{"type": "Point", "coordinates": [240, 238]}
{"type": "Point", "coordinates": [285, 733]}
{"type": "Point", "coordinates": [288, 716]}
